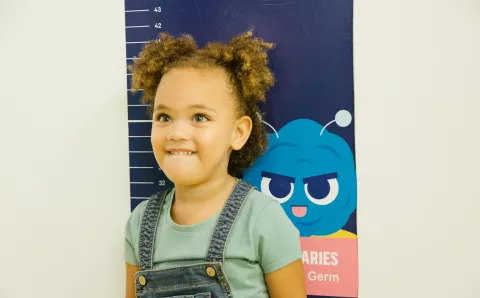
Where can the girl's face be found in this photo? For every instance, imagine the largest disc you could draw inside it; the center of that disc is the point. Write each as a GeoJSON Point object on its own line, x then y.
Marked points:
{"type": "Point", "coordinates": [195, 125]}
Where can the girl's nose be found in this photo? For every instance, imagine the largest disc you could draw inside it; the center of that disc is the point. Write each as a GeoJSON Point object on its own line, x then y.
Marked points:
{"type": "Point", "coordinates": [177, 136]}
{"type": "Point", "coordinates": [178, 133]}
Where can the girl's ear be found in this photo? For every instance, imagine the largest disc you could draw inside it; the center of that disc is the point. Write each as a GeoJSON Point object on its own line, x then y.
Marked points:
{"type": "Point", "coordinates": [241, 133]}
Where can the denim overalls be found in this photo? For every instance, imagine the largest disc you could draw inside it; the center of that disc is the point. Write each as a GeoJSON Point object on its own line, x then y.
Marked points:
{"type": "Point", "coordinates": [206, 279]}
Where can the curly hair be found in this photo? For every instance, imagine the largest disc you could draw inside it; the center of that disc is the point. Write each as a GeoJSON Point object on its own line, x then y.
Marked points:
{"type": "Point", "coordinates": [244, 60]}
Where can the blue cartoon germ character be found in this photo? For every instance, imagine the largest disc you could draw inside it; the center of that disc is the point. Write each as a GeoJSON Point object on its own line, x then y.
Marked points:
{"type": "Point", "coordinates": [311, 172]}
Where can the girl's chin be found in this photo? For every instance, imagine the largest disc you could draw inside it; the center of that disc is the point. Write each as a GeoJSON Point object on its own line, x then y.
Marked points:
{"type": "Point", "coordinates": [182, 163]}
{"type": "Point", "coordinates": [177, 176]}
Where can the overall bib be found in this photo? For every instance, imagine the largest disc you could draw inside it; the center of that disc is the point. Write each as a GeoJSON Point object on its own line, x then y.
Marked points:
{"type": "Point", "coordinates": [206, 279]}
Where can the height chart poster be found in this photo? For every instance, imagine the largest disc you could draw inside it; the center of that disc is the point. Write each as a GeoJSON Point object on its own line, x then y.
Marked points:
{"type": "Point", "coordinates": [309, 166]}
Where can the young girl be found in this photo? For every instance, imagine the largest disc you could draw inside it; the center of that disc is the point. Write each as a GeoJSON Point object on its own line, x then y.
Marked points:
{"type": "Point", "coordinates": [213, 235]}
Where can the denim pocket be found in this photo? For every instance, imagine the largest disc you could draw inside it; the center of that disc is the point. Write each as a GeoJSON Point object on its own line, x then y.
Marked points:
{"type": "Point", "coordinates": [201, 295]}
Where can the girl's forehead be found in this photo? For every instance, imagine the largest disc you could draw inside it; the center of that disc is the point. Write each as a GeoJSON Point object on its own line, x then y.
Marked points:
{"type": "Point", "coordinates": [192, 86]}
{"type": "Point", "coordinates": [191, 76]}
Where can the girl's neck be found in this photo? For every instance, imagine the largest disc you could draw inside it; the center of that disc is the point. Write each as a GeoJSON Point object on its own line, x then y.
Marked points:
{"type": "Point", "coordinates": [216, 188]}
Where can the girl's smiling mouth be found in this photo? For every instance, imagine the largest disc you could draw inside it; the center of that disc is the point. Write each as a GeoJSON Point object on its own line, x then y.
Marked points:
{"type": "Point", "coordinates": [180, 152]}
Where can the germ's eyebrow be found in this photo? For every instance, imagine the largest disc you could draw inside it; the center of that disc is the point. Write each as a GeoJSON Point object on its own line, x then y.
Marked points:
{"type": "Point", "coordinates": [278, 176]}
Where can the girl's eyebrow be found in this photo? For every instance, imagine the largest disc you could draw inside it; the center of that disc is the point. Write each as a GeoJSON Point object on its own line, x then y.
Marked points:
{"type": "Point", "coordinates": [194, 106]}
{"type": "Point", "coordinates": [201, 106]}
{"type": "Point", "coordinates": [160, 107]}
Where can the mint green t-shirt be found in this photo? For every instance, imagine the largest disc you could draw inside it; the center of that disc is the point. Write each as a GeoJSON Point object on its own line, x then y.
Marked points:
{"type": "Point", "coordinates": [262, 240]}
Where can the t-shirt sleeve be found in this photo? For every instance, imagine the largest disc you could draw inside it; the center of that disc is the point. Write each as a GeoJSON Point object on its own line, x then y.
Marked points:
{"type": "Point", "coordinates": [132, 229]}
{"type": "Point", "coordinates": [277, 238]}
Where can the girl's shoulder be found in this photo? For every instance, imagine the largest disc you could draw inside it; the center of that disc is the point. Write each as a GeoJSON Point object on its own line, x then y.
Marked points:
{"type": "Point", "coordinates": [276, 240]}
{"type": "Point", "coordinates": [258, 205]}
{"type": "Point", "coordinates": [259, 200]}
{"type": "Point", "coordinates": [140, 208]}
{"type": "Point", "coordinates": [135, 218]}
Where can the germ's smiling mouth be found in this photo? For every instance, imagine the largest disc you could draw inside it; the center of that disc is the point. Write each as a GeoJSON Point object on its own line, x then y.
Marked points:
{"type": "Point", "coordinates": [308, 223]}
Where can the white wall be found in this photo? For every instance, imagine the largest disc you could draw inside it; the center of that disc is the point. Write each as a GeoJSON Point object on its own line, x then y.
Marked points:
{"type": "Point", "coordinates": [64, 163]}
{"type": "Point", "coordinates": [64, 149]}
{"type": "Point", "coordinates": [417, 81]}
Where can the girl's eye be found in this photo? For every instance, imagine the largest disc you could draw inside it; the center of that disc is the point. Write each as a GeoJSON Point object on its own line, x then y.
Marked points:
{"type": "Point", "coordinates": [163, 118]}
{"type": "Point", "coordinates": [200, 118]}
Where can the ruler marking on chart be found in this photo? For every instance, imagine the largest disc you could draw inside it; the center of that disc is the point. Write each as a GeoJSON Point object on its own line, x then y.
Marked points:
{"type": "Point", "coordinates": [141, 151]}
{"type": "Point", "coordinates": [144, 172]}
{"type": "Point", "coordinates": [138, 10]}
{"type": "Point", "coordinates": [134, 42]}
{"type": "Point", "coordinates": [141, 167]}
{"type": "Point", "coordinates": [134, 27]}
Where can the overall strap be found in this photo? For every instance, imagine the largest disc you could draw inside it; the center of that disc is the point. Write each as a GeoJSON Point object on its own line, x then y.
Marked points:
{"type": "Point", "coordinates": [226, 220]}
{"type": "Point", "coordinates": [148, 229]}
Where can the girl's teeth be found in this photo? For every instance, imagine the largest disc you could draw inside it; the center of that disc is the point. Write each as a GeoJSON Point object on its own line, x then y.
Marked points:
{"type": "Point", "coordinates": [181, 153]}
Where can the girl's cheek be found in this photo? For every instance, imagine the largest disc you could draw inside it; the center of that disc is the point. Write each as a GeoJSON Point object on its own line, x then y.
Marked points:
{"type": "Point", "coordinates": [156, 137]}
{"type": "Point", "coordinates": [209, 139]}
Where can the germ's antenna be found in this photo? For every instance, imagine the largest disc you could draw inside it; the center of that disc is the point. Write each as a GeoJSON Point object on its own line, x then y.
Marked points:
{"type": "Point", "coordinates": [260, 117]}
{"type": "Point", "coordinates": [343, 118]}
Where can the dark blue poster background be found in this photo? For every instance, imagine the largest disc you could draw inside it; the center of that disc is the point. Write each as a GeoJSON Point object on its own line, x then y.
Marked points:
{"type": "Point", "coordinates": [312, 62]}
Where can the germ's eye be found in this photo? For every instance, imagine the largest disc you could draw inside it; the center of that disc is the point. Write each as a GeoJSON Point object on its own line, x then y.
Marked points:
{"type": "Point", "coordinates": [322, 189]}
{"type": "Point", "coordinates": [277, 186]}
